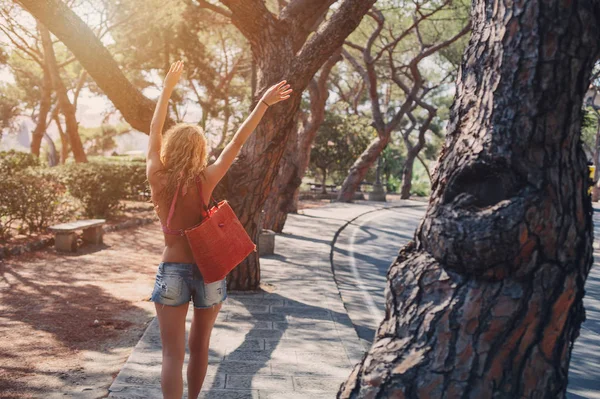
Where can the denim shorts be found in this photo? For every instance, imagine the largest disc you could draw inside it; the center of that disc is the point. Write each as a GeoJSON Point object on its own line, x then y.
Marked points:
{"type": "Point", "coordinates": [177, 283]}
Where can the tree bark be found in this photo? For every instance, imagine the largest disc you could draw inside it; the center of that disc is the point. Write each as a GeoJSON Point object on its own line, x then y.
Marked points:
{"type": "Point", "coordinates": [45, 104]}
{"type": "Point", "coordinates": [486, 302]}
{"type": "Point", "coordinates": [275, 206]}
{"type": "Point", "coordinates": [407, 173]}
{"type": "Point", "coordinates": [66, 108]}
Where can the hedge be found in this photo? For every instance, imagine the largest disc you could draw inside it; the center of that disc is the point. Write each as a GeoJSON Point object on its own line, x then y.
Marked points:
{"type": "Point", "coordinates": [36, 197]}
{"type": "Point", "coordinates": [31, 197]}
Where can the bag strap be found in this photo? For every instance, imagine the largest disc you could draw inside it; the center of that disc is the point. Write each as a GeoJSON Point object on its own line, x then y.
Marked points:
{"type": "Point", "coordinates": [172, 209]}
{"type": "Point", "coordinates": [199, 186]}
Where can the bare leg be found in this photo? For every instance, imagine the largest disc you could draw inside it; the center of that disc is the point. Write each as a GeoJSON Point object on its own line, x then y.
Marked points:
{"type": "Point", "coordinates": [171, 320]}
{"type": "Point", "coordinates": [199, 339]}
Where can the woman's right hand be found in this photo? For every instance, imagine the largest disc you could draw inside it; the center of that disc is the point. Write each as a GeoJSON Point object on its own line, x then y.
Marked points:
{"type": "Point", "coordinates": [276, 93]}
{"type": "Point", "coordinates": [173, 75]}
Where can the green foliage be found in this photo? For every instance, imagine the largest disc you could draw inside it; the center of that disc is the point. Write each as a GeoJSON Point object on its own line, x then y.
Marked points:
{"type": "Point", "coordinates": [41, 194]}
{"type": "Point", "coordinates": [101, 183]}
{"type": "Point", "coordinates": [30, 196]}
{"type": "Point", "coordinates": [135, 180]}
{"type": "Point", "coordinates": [9, 106]}
{"type": "Point", "coordinates": [34, 197]}
{"type": "Point", "coordinates": [99, 186]}
{"type": "Point", "coordinates": [339, 142]}
{"type": "Point", "coordinates": [393, 158]}
{"type": "Point", "coordinates": [9, 206]}
{"type": "Point", "coordinates": [421, 186]}
{"type": "Point", "coordinates": [393, 184]}
{"type": "Point", "coordinates": [13, 161]}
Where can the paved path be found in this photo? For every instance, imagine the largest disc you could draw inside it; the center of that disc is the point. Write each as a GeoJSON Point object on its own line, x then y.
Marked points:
{"type": "Point", "coordinates": [367, 246]}
{"type": "Point", "coordinates": [292, 341]}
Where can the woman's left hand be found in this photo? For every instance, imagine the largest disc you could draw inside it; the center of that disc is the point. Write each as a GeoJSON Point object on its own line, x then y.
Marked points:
{"type": "Point", "coordinates": [276, 93]}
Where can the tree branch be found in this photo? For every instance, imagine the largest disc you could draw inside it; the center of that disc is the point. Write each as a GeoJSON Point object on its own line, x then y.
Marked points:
{"type": "Point", "coordinates": [95, 58]}
{"type": "Point", "coordinates": [303, 17]}
{"type": "Point", "coordinates": [251, 17]}
{"type": "Point", "coordinates": [214, 8]}
{"type": "Point", "coordinates": [330, 36]}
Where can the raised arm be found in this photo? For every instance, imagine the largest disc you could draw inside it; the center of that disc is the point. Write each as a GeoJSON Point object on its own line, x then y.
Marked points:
{"type": "Point", "coordinates": [276, 93]}
{"type": "Point", "coordinates": [153, 162]}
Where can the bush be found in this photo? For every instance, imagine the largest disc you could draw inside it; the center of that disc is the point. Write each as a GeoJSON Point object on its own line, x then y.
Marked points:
{"type": "Point", "coordinates": [31, 196]}
{"type": "Point", "coordinates": [134, 174]}
{"type": "Point", "coordinates": [41, 194]}
{"type": "Point", "coordinates": [99, 186]}
{"type": "Point", "coordinates": [393, 184]}
{"type": "Point", "coordinates": [135, 180]}
{"type": "Point", "coordinates": [12, 162]}
{"type": "Point", "coordinates": [420, 188]}
{"type": "Point", "coordinates": [9, 206]}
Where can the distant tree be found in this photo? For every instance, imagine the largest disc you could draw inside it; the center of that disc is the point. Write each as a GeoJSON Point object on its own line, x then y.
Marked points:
{"type": "Point", "coordinates": [9, 107]}
{"type": "Point", "coordinates": [33, 71]}
{"type": "Point", "coordinates": [398, 39]}
{"type": "Point", "coordinates": [340, 140]}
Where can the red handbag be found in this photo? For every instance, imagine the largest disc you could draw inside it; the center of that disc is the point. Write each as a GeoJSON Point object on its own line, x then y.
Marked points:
{"type": "Point", "coordinates": [219, 242]}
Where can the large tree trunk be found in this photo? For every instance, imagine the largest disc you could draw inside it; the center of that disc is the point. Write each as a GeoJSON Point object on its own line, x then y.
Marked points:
{"type": "Point", "coordinates": [45, 104]}
{"type": "Point", "coordinates": [407, 173]}
{"type": "Point", "coordinates": [66, 108]}
{"type": "Point", "coordinates": [487, 301]}
{"type": "Point", "coordinates": [359, 169]}
{"type": "Point", "coordinates": [275, 206]}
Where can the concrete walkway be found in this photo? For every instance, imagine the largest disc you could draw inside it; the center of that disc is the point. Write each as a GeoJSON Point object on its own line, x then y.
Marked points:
{"type": "Point", "coordinates": [292, 340]}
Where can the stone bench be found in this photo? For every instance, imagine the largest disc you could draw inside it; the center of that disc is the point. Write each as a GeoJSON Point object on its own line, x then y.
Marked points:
{"type": "Point", "coordinates": [65, 238]}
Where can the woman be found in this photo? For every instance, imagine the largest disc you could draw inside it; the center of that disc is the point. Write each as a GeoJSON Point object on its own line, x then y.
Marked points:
{"type": "Point", "coordinates": [181, 179]}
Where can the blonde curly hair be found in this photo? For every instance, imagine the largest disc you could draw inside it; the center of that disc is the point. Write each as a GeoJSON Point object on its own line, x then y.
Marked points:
{"type": "Point", "coordinates": [184, 157]}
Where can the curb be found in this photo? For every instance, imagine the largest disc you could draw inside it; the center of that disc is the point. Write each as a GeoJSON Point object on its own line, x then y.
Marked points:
{"type": "Point", "coordinates": [332, 248]}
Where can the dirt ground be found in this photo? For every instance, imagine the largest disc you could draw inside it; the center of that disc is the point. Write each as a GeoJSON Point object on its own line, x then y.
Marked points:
{"type": "Point", "coordinates": [68, 322]}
